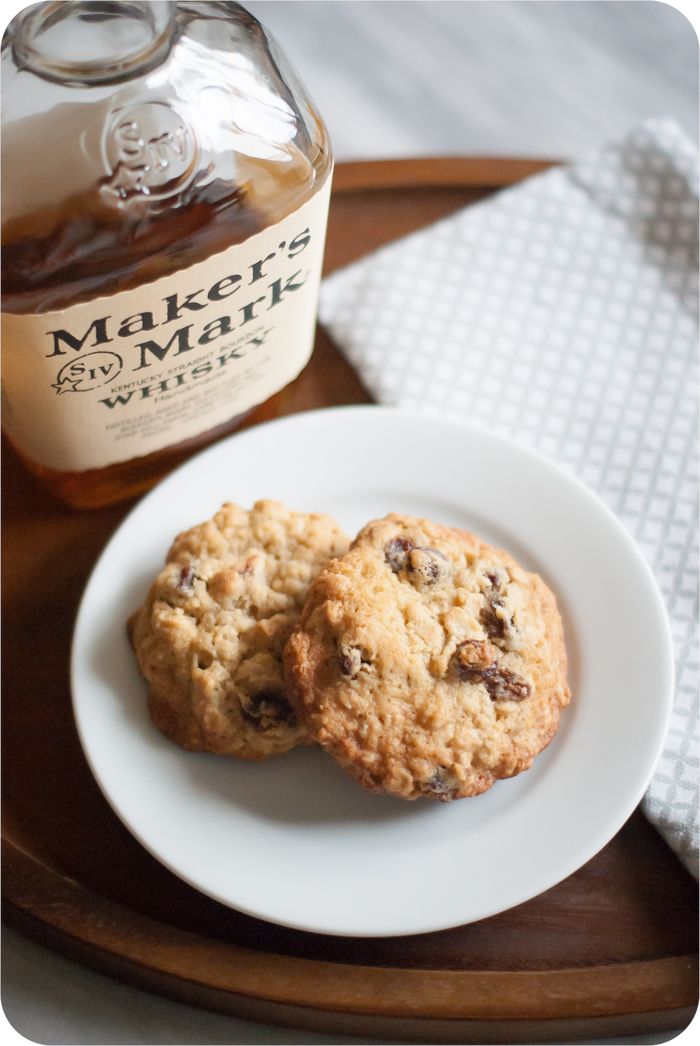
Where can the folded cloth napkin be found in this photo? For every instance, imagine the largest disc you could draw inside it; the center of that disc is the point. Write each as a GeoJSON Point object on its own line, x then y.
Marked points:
{"type": "Point", "coordinates": [563, 312]}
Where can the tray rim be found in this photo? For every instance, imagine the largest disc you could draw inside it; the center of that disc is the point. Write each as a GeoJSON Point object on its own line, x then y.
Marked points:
{"type": "Point", "coordinates": [583, 1000]}
{"type": "Point", "coordinates": [430, 172]}
{"type": "Point", "coordinates": [120, 938]}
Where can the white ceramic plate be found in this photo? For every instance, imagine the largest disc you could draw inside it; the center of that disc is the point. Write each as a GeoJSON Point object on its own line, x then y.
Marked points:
{"type": "Point", "coordinates": [296, 841]}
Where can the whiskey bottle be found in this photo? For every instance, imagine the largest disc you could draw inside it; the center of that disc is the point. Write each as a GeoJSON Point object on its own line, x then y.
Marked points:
{"type": "Point", "coordinates": [165, 187]}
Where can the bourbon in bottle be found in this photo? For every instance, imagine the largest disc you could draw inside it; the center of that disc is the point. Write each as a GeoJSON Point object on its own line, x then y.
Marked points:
{"type": "Point", "coordinates": [165, 187]}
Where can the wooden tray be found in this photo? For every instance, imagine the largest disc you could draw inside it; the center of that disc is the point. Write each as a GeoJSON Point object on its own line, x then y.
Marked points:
{"type": "Point", "coordinates": [612, 950]}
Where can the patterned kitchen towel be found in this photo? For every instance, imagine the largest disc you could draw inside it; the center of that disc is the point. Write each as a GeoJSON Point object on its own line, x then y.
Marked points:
{"type": "Point", "coordinates": [563, 312]}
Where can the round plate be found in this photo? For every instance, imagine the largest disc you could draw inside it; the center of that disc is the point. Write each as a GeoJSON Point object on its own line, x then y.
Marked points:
{"type": "Point", "coordinates": [296, 841]}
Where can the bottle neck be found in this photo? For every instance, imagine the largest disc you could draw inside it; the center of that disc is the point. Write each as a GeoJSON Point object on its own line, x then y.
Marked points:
{"type": "Point", "coordinates": [83, 42]}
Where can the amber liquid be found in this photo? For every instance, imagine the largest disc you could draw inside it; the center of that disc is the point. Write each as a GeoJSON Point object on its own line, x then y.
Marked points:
{"type": "Point", "coordinates": [58, 258]}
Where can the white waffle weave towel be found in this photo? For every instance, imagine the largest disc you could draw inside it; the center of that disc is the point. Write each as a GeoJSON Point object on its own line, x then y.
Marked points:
{"type": "Point", "coordinates": [563, 312]}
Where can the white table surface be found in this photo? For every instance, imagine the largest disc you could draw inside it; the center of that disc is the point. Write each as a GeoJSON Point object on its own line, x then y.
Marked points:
{"type": "Point", "coordinates": [393, 79]}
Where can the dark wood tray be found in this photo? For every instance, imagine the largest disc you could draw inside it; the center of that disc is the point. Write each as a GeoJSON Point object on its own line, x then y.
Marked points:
{"type": "Point", "coordinates": [612, 950]}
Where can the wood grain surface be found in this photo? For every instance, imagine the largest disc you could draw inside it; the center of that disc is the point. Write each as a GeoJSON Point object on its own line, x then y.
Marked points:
{"type": "Point", "coordinates": [612, 950]}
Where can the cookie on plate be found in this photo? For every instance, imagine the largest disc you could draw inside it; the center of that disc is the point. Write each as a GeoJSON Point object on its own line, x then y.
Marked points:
{"type": "Point", "coordinates": [210, 635]}
{"type": "Point", "coordinates": [427, 662]}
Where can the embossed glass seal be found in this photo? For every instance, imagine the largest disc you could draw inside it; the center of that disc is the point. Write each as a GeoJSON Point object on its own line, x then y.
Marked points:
{"type": "Point", "coordinates": [149, 149]}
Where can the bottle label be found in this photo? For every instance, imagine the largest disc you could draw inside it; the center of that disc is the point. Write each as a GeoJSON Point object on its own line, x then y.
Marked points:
{"type": "Point", "coordinates": [128, 374]}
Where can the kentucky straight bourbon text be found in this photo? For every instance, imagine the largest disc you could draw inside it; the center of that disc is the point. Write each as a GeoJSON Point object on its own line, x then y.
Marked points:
{"type": "Point", "coordinates": [163, 216]}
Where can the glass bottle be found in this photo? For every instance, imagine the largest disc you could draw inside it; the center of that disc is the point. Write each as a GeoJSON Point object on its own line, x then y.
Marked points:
{"type": "Point", "coordinates": [165, 186]}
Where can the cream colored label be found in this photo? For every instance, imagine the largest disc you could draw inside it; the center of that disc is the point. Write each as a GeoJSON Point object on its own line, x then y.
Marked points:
{"type": "Point", "coordinates": [125, 375]}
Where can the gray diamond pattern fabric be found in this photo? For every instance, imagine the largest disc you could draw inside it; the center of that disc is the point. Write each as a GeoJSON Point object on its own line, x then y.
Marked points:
{"type": "Point", "coordinates": [563, 312]}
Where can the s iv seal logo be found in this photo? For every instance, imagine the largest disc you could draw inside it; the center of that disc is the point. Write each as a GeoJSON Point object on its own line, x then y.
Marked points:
{"type": "Point", "coordinates": [149, 151]}
{"type": "Point", "coordinates": [91, 371]}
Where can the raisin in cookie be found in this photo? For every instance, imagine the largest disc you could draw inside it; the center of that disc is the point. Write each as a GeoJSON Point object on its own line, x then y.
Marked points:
{"type": "Point", "coordinates": [209, 638]}
{"type": "Point", "coordinates": [427, 662]}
